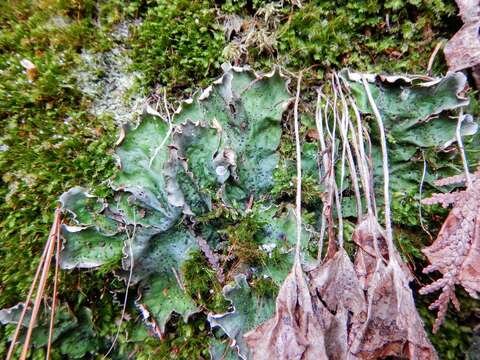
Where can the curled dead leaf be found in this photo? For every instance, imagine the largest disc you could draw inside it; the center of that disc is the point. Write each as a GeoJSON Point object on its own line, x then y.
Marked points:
{"type": "Point", "coordinates": [337, 285]}
{"type": "Point", "coordinates": [392, 326]}
{"type": "Point", "coordinates": [463, 50]}
{"type": "Point", "coordinates": [297, 331]}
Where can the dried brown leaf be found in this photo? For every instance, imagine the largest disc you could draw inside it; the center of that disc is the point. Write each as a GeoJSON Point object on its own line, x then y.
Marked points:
{"type": "Point", "coordinates": [392, 326]}
{"type": "Point", "coordinates": [337, 285]}
{"type": "Point", "coordinates": [297, 331]}
{"type": "Point", "coordinates": [370, 238]}
{"type": "Point", "coordinates": [463, 50]}
{"type": "Point", "coordinates": [469, 10]}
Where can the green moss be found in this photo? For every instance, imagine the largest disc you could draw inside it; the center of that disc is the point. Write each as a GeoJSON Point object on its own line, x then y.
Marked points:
{"type": "Point", "coordinates": [242, 6]}
{"type": "Point", "coordinates": [241, 230]}
{"type": "Point", "coordinates": [381, 35]}
{"type": "Point", "coordinates": [220, 214]}
{"type": "Point", "coordinates": [406, 211]}
{"type": "Point", "coordinates": [179, 43]}
{"type": "Point", "coordinates": [243, 240]}
{"type": "Point", "coordinates": [183, 341]}
{"type": "Point", "coordinates": [52, 142]}
{"type": "Point", "coordinates": [284, 188]}
{"type": "Point", "coordinates": [264, 287]}
{"type": "Point", "coordinates": [202, 285]}
{"type": "Point", "coordinates": [410, 243]}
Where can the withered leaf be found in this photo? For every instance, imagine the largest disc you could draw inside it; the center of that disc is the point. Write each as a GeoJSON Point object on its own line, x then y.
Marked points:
{"type": "Point", "coordinates": [336, 283]}
{"type": "Point", "coordinates": [370, 238]}
{"type": "Point", "coordinates": [463, 50]}
{"type": "Point", "coordinates": [297, 331]}
{"type": "Point", "coordinates": [392, 326]}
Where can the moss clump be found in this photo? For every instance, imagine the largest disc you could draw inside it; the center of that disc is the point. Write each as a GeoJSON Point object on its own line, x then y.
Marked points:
{"type": "Point", "coordinates": [410, 244]}
{"type": "Point", "coordinates": [393, 35]}
{"type": "Point", "coordinates": [220, 214]}
{"type": "Point", "coordinates": [201, 283]}
{"type": "Point", "coordinates": [406, 211]}
{"type": "Point", "coordinates": [179, 43]}
{"type": "Point", "coordinates": [242, 238]}
{"type": "Point", "coordinates": [240, 230]}
{"type": "Point", "coordinates": [284, 187]}
{"type": "Point", "coordinates": [182, 341]}
{"type": "Point", "coordinates": [265, 287]}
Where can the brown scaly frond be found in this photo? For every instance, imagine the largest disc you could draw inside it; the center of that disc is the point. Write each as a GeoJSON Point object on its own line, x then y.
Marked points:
{"type": "Point", "coordinates": [456, 251]}
{"type": "Point", "coordinates": [444, 199]}
{"type": "Point", "coordinates": [451, 180]}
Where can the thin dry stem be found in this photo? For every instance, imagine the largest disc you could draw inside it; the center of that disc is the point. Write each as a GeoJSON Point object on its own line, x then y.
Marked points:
{"type": "Point", "coordinates": [299, 170]}
{"type": "Point", "coordinates": [55, 292]}
{"type": "Point", "coordinates": [346, 143]}
{"type": "Point", "coordinates": [167, 135]}
{"type": "Point", "coordinates": [212, 258]}
{"type": "Point", "coordinates": [130, 237]}
{"type": "Point", "coordinates": [42, 282]}
{"type": "Point", "coordinates": [27, 302]}
{"type": "Point", "coordinates": [420, 190]}
{"type": "Point", "coordinates": [340, 125]}
{"type": "Point", "coordinates": [331, 248]}
{"type": "Point", "coordinates": [386, 175]}
{"type": "Point", "coordinates": [370, 169]}
{"type": "Point", "coordinates": [321, 140]}
{"type": "Point", "coordinates": [362, 162]}
{"type": "Point", "coordinates": [462, 149]}
{"type": "Point", "coordinates": [432, 57]}
{"type": "Point", "coordinates": [333, 186]}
